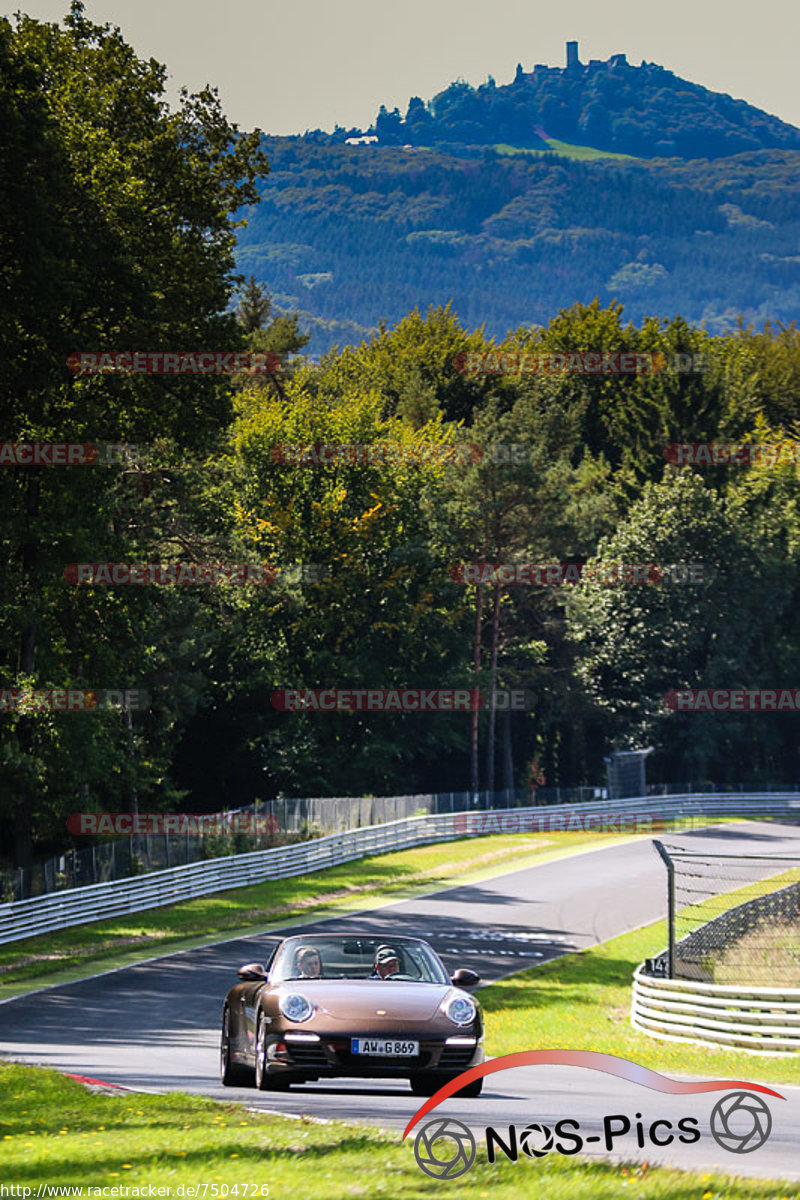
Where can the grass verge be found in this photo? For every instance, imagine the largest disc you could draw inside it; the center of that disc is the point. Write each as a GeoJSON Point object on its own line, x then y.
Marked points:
{"type": "Point", "coordinates": [54, 1132]}
{"type": "Point", "coordinates": [582, 1001]}
{"type": "Point", "coordinates": [84, 949]}
{"type": "Point", "coordinates": [768, 955]}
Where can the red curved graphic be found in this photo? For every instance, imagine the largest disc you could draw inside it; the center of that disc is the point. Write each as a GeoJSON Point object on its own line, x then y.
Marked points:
{"type": "Point", "coordinates": [593, 1061]}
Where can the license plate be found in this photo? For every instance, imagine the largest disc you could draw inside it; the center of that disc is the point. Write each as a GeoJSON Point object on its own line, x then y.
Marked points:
{"type": "Point", "coordinates": [393, 1048]}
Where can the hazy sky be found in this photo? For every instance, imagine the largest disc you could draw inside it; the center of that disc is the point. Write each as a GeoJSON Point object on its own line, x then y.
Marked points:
{"type": "Point", "coordinates": [291, 65]}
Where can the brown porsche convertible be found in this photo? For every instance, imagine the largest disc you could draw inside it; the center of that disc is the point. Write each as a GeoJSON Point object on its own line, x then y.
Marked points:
{"type": "Point", "coordinates": [360, 1006]}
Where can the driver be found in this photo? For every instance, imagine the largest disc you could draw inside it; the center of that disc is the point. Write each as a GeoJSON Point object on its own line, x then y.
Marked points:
{"type": "Point", "coordinates": [386, 963]}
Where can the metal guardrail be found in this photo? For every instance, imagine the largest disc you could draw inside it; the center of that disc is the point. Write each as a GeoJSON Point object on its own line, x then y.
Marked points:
{"type": "Point", "coordinates": [77, 906]}
{"type": "Point", "coordinates": [284, 820]}
{"type": "Point", "coordinates": [287, 820]}
{"type": "Point", "coordinates": [761, 1019]}
{"type": "Point", "coordinates": [82, 905]}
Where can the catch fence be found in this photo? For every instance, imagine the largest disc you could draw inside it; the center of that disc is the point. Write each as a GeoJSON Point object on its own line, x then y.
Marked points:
{"type": "Point", "coordinates": [295, 820]}
{"type": "Point", "coordinates": [733, 918]}
{"type": "Point", "coordinates": [269, 823]}
{"type": "Point", "coordinates": [79, 905]}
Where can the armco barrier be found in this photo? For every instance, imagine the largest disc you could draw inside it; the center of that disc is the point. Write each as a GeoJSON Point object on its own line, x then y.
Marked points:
{"type": "Point", "coordinates": [760, 1019]}
{"type": "Point", "coordinates": [124, 857]}
{"type": "Point", "coordinates": [79, 906]}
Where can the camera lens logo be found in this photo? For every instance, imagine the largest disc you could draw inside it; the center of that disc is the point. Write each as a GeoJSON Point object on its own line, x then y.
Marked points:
{"type": "Point", "coordinates": [444, 1149]}
{"type": "Point", "coordinates": [536, 1140]}
{"type": "Point", "coordinates": [740, 1122]}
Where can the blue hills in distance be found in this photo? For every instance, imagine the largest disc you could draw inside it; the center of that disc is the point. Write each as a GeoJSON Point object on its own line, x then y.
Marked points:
{"type": "Point", "coordinates": [598, 180]}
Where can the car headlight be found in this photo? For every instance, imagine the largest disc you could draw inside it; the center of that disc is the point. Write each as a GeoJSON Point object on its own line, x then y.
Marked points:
{"type": "Point", "coordinates": [461, 1010]}
{"type": "Point", "coordinates": [296, 1007]}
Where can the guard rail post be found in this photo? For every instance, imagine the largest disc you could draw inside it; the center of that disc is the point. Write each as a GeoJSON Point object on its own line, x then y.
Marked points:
{"type": "Point", "coordinates": [670, 903]}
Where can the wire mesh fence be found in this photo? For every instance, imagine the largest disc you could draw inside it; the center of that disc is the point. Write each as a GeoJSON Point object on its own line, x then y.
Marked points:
{"type": "Point", "coordinates": [257, 826]}
{"type": "Point", "coordinates": [734, 918]}
{"type": "Point", "coordinates": [282, 821]}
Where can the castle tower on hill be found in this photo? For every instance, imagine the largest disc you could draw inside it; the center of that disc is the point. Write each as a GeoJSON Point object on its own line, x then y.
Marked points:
{"type": "Point", "coordinates": [572, 55]}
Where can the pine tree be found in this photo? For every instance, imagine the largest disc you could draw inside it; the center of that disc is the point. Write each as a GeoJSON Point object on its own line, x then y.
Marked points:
{"type": "Point", "coordinates": [254, 306]}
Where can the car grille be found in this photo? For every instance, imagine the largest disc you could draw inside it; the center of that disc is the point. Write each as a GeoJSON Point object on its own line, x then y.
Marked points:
{"type": "Point", "coordinates": [335, 1053]}
{"type": "Point", "coordinates": [308, 1054]}
{"type": "Point", "coordinates": [457, 1057]}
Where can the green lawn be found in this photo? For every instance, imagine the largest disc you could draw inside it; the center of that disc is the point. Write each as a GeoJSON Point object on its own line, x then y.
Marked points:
{"type": "Point", "coordinates": [81, 950]}
{"type": "Point", "coordinates": [566, 150]}
{"type": "Point", "coordinates": [768, 955]}
{"type": "Point", "coordinates": [583, 1002]}
{"type": "Point", "coordinates": [55, 1132]}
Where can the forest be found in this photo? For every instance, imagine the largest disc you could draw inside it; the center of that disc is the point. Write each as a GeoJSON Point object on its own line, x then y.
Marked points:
{"type": "Point", "coordinates": [120, 234]}
{"type": "Point", "coordinates": [346, 235]}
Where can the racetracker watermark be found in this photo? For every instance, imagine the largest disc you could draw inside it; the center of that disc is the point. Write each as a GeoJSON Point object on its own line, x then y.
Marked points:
{"type": "Point", "coordinates": [94, 454]}
{"type": "Point", "coordinates": [543, 822]}
{"type": "Point", "coordinates": [369, 454]}
{"type": "Point", "coordinates": [174, 574]}
{"type": "Point", "coordinates": [28, 701]}
{"type": "Point", "coordinates": [399, 700]}
{"type": "Point", "coordinates": [136, 1191]}
{"type": "Point", "coordinates": [731, 454]}
{"type": "Point", "coordinates": [192, 824]}
{"type": "Point", "coordinates": [555, 574]}
{"type": "Point", "coordinates": [168, 362]}
{"type": "Point", "coordinates": [740, 1122]}
{"type": "Point", "coordinates": [734, 700]}
{"type": "Point", "coordinates": [584, 362]}
{"type": "Point", "coordinates": [48, 454]}
{"type": "Point", "coordinates": [167, 574]}
{"type": "Point", "coordinates": [69, 454]}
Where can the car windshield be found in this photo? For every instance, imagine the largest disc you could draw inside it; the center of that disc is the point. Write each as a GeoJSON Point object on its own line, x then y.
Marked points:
{"type": "Point", "coordinates": [320, 957]}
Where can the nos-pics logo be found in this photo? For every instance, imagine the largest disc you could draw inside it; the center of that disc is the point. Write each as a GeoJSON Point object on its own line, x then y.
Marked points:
{"type": "Point", "coordinates": [444, 1148]}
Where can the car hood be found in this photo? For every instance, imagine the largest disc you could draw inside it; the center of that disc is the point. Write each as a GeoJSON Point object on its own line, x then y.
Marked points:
{"type": "Point", "coordinates": [348, 1002]}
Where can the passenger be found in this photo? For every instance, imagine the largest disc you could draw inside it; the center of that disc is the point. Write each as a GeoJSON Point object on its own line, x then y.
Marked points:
{"type": "Point", "coordinates": [309, 963]}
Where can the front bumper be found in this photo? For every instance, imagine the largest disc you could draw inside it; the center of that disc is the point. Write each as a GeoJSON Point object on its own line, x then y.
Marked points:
{"type": "Point", "coordinates": [330, 1054]}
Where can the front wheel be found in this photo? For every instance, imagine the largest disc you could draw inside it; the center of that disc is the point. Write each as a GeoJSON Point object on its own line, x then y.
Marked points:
{"type": "Point", "coordinates": [471, 1090]}
{"type": "Point", "coordinates": [231, 1074]}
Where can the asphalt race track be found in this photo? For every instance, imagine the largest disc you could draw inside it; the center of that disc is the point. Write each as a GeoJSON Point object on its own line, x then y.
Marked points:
{"type": "Point", "coordinates": [155, 1025]}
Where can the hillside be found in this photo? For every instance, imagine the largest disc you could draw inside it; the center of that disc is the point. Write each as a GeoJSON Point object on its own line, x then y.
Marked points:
{"type": "Point", "coordinates": [645, 111]}
{"type": "Point", "coordinates": [349, 235]}
{"type": "Point", "coordinates": [511, 202]}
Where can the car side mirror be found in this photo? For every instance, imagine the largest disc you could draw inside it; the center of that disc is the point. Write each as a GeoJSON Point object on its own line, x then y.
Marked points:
{"type": "Point", "coordinates": [250, 972]}
{"type": "Point", "coordinates": [464, 978]}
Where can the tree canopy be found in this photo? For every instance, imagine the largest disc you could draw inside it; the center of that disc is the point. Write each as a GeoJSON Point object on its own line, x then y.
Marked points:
{"type": "Point", "coordinates": [119, 233]}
